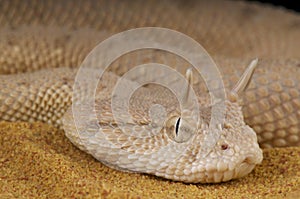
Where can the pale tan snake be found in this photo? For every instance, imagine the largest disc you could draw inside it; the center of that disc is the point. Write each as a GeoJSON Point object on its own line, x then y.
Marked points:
{"type": "Point", "coordinates": [271, 102]}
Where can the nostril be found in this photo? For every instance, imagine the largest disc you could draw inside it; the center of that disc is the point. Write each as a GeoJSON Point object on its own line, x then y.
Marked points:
{"type": "Point", "coordinates": [224, 146]}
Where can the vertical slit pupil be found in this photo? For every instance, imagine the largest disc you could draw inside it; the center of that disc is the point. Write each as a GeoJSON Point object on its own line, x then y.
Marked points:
{"type": "Point", "coordinates": [177, 125]}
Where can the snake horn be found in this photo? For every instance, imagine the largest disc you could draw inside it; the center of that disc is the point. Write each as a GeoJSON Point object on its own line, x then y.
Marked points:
{"type": "Point", "coordinates": [189, 78]}
{"type": "Point", "coordinates": [244, 81]}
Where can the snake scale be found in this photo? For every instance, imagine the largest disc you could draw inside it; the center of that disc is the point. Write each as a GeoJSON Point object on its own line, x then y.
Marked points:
{"type": "Point", "coordinates": [43, 42]}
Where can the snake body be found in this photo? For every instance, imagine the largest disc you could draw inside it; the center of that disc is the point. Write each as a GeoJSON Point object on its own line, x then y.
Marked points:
{"type": "Point", "coordinates": [39, 38]}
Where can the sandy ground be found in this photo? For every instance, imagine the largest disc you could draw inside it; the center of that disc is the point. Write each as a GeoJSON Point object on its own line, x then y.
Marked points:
{"type": "Point", "coordinates": [38, 161]}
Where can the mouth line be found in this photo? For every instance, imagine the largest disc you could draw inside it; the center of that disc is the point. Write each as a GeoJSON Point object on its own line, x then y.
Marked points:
{"type": "Point", "coordinates": [243, 169]}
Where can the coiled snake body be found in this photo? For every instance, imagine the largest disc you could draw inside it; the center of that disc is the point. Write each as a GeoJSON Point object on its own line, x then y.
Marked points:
{"type": "Point", "coordinates": [48, 35]}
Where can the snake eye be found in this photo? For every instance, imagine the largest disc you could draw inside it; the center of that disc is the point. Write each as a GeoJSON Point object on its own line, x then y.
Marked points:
{"type": "Point", "coordinates": [177, 126]}
{"type": "Point", "coordinates": [178, 129]}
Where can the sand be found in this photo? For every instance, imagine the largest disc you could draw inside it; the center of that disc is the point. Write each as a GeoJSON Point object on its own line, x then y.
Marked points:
{"type": "Point", "coordinates": [38, 161]}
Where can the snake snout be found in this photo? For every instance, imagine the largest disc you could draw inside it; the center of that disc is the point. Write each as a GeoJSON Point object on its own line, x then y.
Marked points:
{"type": "Point", "coordinates": [253, 159]}
{"type": "Point", "coordinates": [248, 164]}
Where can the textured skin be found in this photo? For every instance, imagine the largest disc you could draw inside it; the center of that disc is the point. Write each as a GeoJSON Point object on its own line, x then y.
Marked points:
{"type": "Point", "coordinates": [51, 34]}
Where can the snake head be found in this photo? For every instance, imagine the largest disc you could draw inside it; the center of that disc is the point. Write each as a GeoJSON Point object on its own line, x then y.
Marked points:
{"type": "Point", "coordinates": [179, 150]}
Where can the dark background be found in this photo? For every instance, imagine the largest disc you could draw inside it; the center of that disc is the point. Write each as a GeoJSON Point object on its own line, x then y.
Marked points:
{"type": "Point", "coordinates": [290, 4]}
